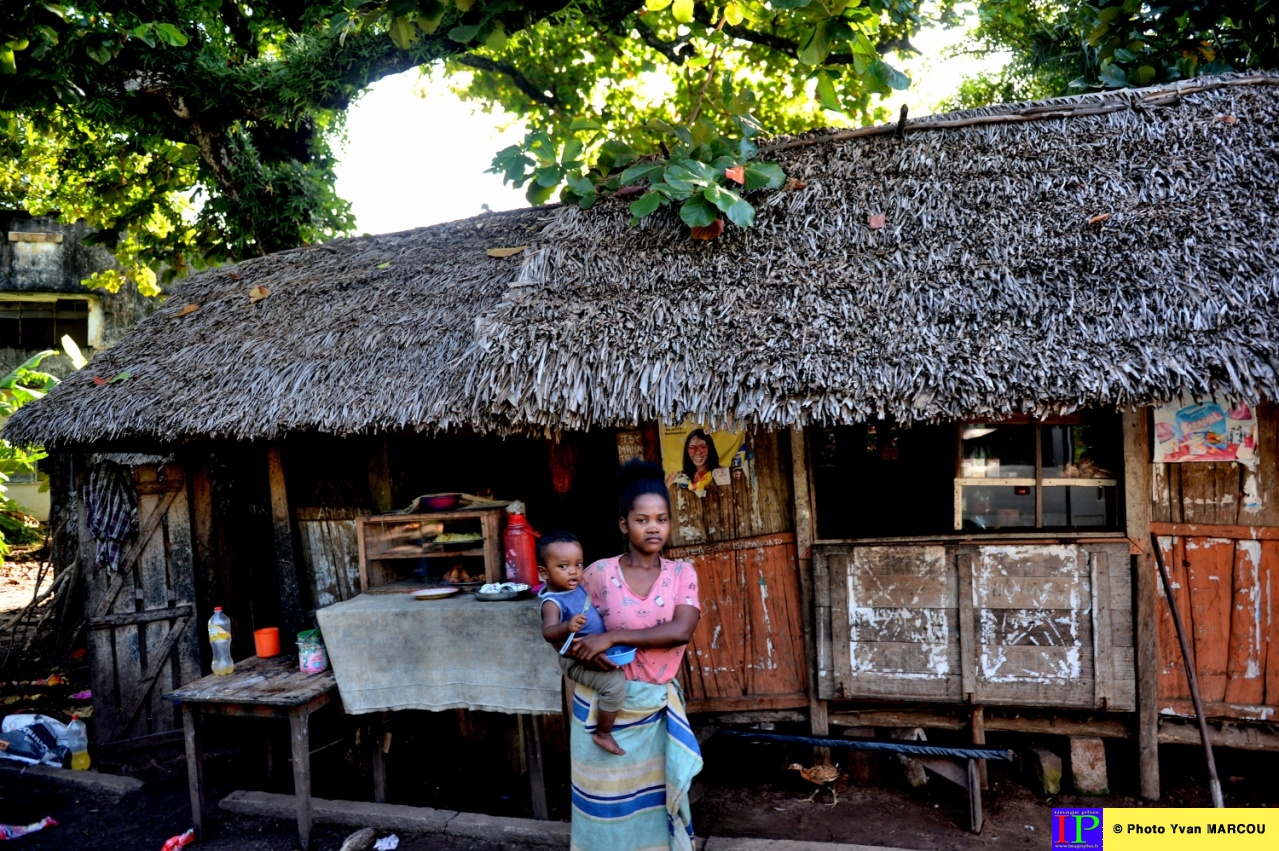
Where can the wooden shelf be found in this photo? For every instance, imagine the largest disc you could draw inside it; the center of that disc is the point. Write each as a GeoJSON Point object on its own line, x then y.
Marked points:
{"type": "Point", "coordinates": [431, 554]}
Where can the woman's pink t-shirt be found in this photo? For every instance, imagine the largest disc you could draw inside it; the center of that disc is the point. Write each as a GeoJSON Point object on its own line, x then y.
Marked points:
{"type": "Point", "coordinates": [620, 608]}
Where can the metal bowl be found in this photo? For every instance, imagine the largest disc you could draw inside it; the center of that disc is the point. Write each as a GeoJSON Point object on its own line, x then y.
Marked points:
{"type": "Point", "coordinates": [499, 596]}
{"type": "Point", "coordinates": [441, 502]}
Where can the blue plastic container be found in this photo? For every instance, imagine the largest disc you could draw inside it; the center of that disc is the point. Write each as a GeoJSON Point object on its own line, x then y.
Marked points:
{"type": "Point", "coordinates": [621, 655]}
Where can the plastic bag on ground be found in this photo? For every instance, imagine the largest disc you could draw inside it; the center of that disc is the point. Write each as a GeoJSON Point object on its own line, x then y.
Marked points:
{"type": "Point", "coordinates": [17, 722]}
{"type": "Point", "coordinates": [33, 739]}
{"type": "Point", "coordinates": [13, 831]}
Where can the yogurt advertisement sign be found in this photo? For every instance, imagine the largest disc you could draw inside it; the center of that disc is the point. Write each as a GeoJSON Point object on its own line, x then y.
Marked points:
{"type": "Point", "coordinates": [1210, 430]}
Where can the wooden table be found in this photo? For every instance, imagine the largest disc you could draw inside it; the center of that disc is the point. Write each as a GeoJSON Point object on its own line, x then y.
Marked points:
{"type": "Point", "coordinates": [392, 652]}
{"type": "Point", "coordinates": [258, 688]}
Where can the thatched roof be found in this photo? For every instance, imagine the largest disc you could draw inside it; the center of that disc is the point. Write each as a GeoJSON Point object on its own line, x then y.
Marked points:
{"type": "Point", "coordinates": [1109, 249]}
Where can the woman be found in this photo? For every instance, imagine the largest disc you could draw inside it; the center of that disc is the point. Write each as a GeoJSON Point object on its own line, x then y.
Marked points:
{"type": "Point", "coordinates": [638, 800]}
{"type": "Point", "coordinates": [700, 459]}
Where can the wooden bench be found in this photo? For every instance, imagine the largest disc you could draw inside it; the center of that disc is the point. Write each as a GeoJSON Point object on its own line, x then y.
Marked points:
{"type": "Point", "coordinates": [258, 688]}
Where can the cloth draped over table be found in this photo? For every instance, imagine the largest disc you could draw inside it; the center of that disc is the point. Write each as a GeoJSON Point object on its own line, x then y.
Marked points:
{"type": "Point", "coordinates": [636, 802]}
{"type": "Point", "coordinates": [391, 652]}
{"type": "Point", "coordinates": [111, 511]}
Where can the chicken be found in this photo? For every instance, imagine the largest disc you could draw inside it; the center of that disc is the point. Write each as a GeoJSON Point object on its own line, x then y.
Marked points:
{"type": "Point", "coordinates": [819, 775]}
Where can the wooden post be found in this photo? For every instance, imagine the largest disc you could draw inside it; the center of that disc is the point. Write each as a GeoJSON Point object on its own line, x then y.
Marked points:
{"type": "Point", "coordinates": [804, 534]}
{"type": "Point", "coordinates": [380, 474]}
{"type": "Point", "coordinates": [1137, 515]}
{"type": "Point", "coordinates": [286, 565]}
{"type": "Point", "coordinates": [380, 736]}
{"type": "Point", "coordinates": [974, 784]}
{"type": "Point", "coordinates": [532, 737]}
{"type": "Point", "coordinates": [979, 738]}
{"type": "Point", "coordinates": [202, 535]}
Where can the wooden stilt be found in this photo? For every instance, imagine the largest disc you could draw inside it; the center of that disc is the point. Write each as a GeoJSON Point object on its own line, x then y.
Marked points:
{"type": "Point", "coordinates": [979, 738]}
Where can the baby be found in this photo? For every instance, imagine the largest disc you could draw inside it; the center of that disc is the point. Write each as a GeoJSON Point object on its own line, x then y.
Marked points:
{"type": "Point", "coordinates": [559, 563]}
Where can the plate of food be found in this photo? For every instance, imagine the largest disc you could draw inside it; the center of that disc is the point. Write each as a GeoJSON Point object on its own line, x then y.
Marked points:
{"type": "Point", "coordinates": [458, 540]}
{"type": "Point", "coordinates": [434, 593]}
{"type": "Point", "coordinates": [458, 577]}
{"type": "Point", "coordinates": [496, 592]}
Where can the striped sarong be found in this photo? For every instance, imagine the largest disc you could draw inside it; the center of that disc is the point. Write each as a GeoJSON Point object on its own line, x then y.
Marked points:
{"type": "Point", "coordinates": [636, 802]}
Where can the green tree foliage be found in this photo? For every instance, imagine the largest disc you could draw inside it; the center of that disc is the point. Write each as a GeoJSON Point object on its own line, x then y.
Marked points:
{"type": "Point", "coordinates": [190, 132]}
{"type": "Point", "coordinates": [25, 383]}
{"type": "Point", "coordinates": [1059, 47]}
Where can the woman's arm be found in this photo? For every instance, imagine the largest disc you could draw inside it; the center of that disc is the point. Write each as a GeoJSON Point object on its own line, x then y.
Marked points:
{"type": "Point", "coordinates": [675, 632]}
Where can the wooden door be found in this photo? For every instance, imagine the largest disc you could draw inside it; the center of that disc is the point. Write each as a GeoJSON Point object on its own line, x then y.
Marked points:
{"type": "Point", "coordinates": [1225, 589]}
{"type": "Point", "coordinates": [748, 651]}
{"type": "Point", "coordinates": [143, 639]}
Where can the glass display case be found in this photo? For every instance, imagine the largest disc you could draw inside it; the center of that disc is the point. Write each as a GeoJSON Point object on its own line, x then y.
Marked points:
{"type": "Point", "coordinates": [1027, 475]}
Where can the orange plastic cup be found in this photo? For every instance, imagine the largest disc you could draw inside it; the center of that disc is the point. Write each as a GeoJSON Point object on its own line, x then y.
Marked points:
{"type": "Point", "coordinates": [267, 641]}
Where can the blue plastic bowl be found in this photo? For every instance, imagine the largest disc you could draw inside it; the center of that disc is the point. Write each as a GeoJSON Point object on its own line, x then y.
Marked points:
{"type": "Point", "coordinates": [621, 655]}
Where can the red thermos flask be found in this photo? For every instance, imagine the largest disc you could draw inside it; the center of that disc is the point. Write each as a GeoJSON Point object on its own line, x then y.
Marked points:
{"type": "Point", "coordinates": [520, 546]}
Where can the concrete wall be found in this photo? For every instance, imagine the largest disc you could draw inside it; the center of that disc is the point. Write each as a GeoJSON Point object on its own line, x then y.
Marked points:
{"type": "Point", "coordinates": [42, 257]}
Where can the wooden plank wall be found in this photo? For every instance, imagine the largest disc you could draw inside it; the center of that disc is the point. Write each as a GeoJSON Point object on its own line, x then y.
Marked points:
{"type": "Point", "coordinates": [1213, 493]}
{"type": "Point", "coordinates": [758, 502]}
{"type": "Point", "coordinates": [329, 554]}
{"type": "Point", "coordinates": [993, 625]}
{"type": "Point", "coordinates": [748, 652]}
{"type": "Point", "coordinates": [1223, 558]}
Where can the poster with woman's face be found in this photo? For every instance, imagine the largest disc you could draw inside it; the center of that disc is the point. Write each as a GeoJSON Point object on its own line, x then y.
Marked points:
{"type": "Point", "coordinates": [696, 458]}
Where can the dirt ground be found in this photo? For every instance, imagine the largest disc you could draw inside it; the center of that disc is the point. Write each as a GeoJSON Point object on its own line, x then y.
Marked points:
{"type": "Point", "coordinates": [747, 790]}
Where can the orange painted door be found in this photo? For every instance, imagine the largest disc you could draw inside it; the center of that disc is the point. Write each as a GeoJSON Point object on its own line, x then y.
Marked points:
{"type": "Point", "coordinates": [1225, 590]}
{"type": "Point", "coordinates": [748, 651]}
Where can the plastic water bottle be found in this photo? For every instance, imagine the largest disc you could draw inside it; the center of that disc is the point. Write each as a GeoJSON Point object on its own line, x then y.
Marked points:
{"type": "Point", "coordinates": [220, 639]}
{"type": "Point", "coordinates": [78, 742]}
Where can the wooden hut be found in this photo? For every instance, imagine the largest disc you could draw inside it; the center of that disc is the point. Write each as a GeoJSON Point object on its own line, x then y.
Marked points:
{"type": "Point", "coordinates": [944, 347]}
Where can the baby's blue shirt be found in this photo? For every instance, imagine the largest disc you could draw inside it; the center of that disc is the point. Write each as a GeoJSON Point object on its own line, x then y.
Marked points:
{"type": "Point", "coordinates": [570, 604]}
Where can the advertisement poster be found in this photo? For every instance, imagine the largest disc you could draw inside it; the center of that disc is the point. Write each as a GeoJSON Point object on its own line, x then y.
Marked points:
{"type": "Point", "coordinates": [698, 459]}
{"type": "Point", "coordinates": [1211, 430]}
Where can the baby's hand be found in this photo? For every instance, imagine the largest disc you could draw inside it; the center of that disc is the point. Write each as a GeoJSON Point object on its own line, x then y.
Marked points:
{"type": "Point", "coordinates": [577, 622]}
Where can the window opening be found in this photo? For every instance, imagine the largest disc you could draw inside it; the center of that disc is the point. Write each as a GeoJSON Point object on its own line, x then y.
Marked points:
{"type": "Point", "coordinates": [36, 325]}
{"type": "Point", "coordinates": [1057, 475]}
{"type": "Point", "coordinates": [882, 481]}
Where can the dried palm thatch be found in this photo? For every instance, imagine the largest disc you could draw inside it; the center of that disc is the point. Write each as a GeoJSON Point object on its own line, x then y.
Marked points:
{"type": "Point", "coordinates": [1109, 249]}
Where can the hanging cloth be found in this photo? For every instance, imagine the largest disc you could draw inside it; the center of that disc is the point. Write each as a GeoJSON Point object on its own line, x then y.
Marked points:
{"type": "Point", "coordinates": [111, 512]}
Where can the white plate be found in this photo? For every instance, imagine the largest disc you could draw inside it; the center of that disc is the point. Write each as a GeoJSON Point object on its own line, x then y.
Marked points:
{"type": "Point", "coordinates": [434, 593]}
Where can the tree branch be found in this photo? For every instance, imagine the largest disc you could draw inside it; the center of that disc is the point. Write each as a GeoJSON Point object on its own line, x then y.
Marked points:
{"type": "Point", "coordinates": [790, 48]}
{"type": "Point", "coordinates": [669, 49]}
{"type": "Point", "coordinates": [239, 28]}
{"type": "Point", "coordinates": [524, 84]}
